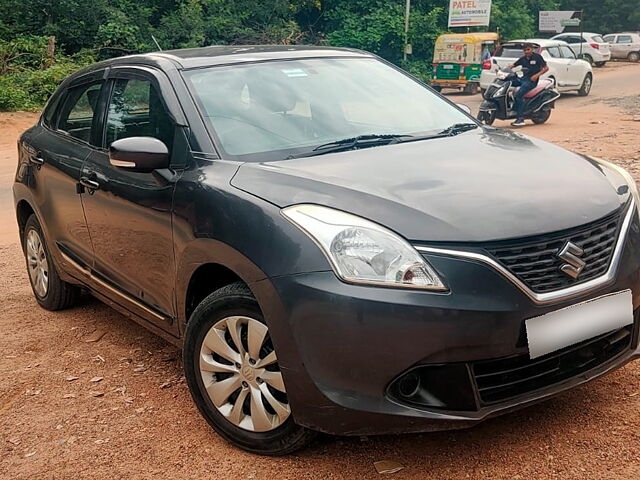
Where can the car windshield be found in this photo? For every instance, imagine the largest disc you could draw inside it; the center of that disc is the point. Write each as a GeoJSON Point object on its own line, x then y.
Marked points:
{"type": "Point", "coordinates": [280, 109]}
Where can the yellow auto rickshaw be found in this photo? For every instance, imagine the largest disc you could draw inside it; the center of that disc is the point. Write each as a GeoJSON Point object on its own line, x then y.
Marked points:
{"type": "Point", "coordinates": [458, 59]}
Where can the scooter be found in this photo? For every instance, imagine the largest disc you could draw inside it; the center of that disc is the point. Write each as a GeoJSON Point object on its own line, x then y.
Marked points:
{"type": "Point", "coordinates": [499, 99]}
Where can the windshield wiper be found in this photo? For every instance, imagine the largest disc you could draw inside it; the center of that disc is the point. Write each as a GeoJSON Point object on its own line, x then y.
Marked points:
{"type": "Point", "coordinates": [373, 140]}
{"type": "Point", "coordinates": [450, 131]}
{"type": "Point", "coordinates": [457, 128]}
{"type": "Point", "coordinates": [370, 140]}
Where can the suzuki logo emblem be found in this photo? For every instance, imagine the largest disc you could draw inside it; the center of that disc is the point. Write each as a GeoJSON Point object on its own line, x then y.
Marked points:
{"type": "Point", "coordinates": [573, 265]}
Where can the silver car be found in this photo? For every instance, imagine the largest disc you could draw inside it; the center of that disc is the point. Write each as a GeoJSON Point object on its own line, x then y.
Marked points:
{"type": "Point", "coordinates": [624, 45]}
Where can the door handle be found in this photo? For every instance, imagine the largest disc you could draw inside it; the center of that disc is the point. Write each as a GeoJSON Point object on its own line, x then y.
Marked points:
{"type": "Point", "coordinates": [90, 184]}
{"type": "Point", "coordinates": [37, 160]}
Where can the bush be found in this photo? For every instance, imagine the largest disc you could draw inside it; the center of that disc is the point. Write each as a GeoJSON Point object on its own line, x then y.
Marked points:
{"type": "Point", "coordinates": [29, 89]}
{"type": "Point", "coordinates": [421, 69]}
{"type": "Point", "coordinates": [28, 77]}
{"type": "Point", "coordinates": [12, 95]}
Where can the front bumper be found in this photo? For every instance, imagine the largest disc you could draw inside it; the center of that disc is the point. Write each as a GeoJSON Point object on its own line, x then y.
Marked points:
{"type": "Point", "coordinates": [341, 346]}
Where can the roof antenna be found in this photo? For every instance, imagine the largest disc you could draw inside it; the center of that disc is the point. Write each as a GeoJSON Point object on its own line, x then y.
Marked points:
{"type": "Point", "coordinates": [156, 42]}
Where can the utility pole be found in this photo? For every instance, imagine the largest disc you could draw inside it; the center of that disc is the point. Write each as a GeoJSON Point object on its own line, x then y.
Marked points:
{"type": "Point", "coordinates": [581, 30]}
{"type": "Point", "coordinates": [406, 29]}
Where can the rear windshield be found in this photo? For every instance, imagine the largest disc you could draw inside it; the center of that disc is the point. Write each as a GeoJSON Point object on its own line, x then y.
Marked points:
{"type": "Point", "coordinates": [598, 38]}
{"type": "Point", "coordinates": [509, 52]}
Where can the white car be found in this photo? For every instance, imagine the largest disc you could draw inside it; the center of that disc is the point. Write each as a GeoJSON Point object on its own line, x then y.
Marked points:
{"type": "Point", "coordinates": [591, 46]}
{"type": "Point", "coordinates": [568, 73]}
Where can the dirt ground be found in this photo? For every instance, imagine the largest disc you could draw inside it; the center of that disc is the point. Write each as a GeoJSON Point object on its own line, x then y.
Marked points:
{"type": "Point", "coordinates": [78, 405]}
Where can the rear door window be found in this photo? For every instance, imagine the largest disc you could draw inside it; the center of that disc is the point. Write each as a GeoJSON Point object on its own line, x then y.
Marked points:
{"type": "Point", "coordinates": [78, 111]}
{"type": "Point", "coordinates": [567, 52]}
{"type": "Point", "coordinates": [48, 117]}
{"type": "Point", "coordinates": [624, 39]}
{"type": "Point", "coordinates": [554, 52]}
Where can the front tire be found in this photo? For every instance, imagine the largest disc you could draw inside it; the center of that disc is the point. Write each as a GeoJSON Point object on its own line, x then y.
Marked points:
{"type": "Point", "coordinates": [487, 118]}
{"type": "Point", "coordinates": [232, 371]}
{"type": "Point", "coordinates": [50, 291]}
{"type": "Point", "coordinates": [586, 85]}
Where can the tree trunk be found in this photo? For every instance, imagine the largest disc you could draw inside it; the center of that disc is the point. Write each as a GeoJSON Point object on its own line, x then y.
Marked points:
{"type": "Point", "coordinates": [51, 50]}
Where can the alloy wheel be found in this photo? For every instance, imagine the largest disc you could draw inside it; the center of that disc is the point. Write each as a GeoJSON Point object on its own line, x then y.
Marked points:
{"type": "Point", "coordinates": [241, 376]}
{"type": "Point", "coordinates": [37, 263]}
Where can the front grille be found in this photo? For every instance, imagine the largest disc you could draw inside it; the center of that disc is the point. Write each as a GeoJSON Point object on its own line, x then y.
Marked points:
{"type": "Point", "coordinates": [502, 379]}
{"type": "Point", "coordinates": [536, 264]}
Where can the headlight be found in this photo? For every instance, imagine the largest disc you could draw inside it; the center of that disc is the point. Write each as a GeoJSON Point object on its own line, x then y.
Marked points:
{"type": "Point", "coordinates": [361, 251]}
{"type": "Point", "coordinates": [501, 90]}
{"type": "Point", "coordinates": [633, 187]}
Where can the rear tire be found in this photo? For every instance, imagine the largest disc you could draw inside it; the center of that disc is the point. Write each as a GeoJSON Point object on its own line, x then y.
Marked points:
{"type": "Point", "coordinates": [588, 58]}
{"type": "Point", "coordinates": [634, 57]}
{"type": "Point", "coordinates": [471, 88]}
{"type": "Point", "coordinates": [487, 118]}
{"type": "Point", "coordinates": [541, 116]}
{"type": "Point", "coordinates": [437, 88]}
{"type": "Point", "coordinates": [600, 64]}
{"type": "Point", "coordinates": [50, 291]}
{"type": "Point", "coordinates": [586, 85]}
{"type": "Point", "coordinates": [258, 422]}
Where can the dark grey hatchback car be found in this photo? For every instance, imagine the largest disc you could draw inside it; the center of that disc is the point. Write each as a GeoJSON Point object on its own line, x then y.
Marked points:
{"type": "Point", "coordinates": [335, 246]}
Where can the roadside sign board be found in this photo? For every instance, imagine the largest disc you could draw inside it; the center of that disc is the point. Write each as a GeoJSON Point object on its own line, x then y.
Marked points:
{"type": "Point", "coordinates": [469, 13]}
{"type": "Point", "coordinates": [555, 21]}
{"type": "Point", "coordinates": [572, 22]}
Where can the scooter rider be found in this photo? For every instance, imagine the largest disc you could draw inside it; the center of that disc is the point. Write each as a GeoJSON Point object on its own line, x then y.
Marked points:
{"type": "Point", "coordinates": [536, 67]}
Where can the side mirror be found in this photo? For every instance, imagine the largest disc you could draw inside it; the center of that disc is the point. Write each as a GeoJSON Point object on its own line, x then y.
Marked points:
{"type": "Point", "coordinates": [139, 154]}
{"type": "Point", "coordinates": [495, 62]}
{"type": "Point", "coordinates": [464, 107]}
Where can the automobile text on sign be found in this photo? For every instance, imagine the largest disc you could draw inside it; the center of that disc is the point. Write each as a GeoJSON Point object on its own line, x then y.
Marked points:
{"type": "Point", "coordinates": [469, 13]}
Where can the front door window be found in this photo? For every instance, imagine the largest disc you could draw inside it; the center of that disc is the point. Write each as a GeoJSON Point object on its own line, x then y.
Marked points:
{"type": "Point", "coordinates": [136, 110]}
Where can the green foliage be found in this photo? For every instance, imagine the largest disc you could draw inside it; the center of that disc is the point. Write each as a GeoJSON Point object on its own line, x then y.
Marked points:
{"type": "Point", "coordinates": [86, 31]}
{"type": "Point", "coordinates": [513, 18]}
{"type": "Point", "coordinates": [380, 30]}
{"type": "Point", "coordinates": [418, 68]}
{"type": "Point", "coordinates": [28, 76]}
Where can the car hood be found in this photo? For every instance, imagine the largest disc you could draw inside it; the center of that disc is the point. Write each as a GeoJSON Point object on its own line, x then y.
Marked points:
{"type": "Point", "coordinates": [486, 184]}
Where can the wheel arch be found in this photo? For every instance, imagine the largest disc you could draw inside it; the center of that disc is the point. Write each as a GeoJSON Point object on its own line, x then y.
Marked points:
{"type": "Point", "coordinates": [206, 279]}
{"type": "Point", "coordinates": [206, 265]}
{"type": "Point", "coordinates": [23, 211]}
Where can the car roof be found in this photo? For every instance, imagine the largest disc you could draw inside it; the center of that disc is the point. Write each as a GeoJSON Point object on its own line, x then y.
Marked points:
{"type": "Point", "coordinates": [473, 37]}
{"type": "Point", "coordinates": [575, 33]}
{"type": "Point", "coordinates": [229, 54]}
{"type": "Point", "coordinates": [541, 42]}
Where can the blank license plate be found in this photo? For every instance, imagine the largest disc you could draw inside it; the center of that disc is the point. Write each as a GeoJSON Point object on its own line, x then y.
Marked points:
{"type": "Point", "coordinates": [574, 324]}
{"type": "Point", "coordinates": [448, 67]}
